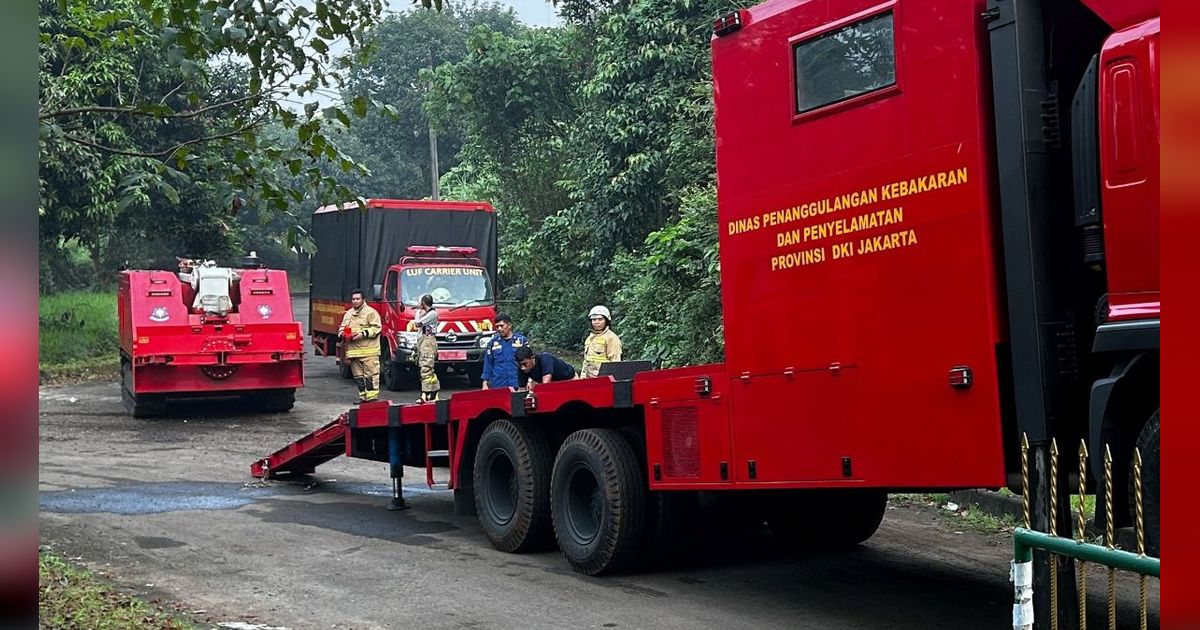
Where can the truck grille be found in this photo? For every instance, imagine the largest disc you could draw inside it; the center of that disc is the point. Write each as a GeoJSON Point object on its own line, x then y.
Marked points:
{"type": "Point", "coordinates": [462, 341]}
{"type": "Point", "coordinates": [681, 442]}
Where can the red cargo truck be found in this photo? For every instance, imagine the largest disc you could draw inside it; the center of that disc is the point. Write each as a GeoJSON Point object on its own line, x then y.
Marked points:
{"type": "Point", "coordinates": [938, 233]}
{"type": "Point", "coordinates": [397, 250]}
{"type": "Point", "coordinates": [208, 331]}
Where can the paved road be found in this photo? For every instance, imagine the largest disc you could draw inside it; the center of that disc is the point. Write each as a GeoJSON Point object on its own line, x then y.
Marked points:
{"type": "Point", "coordinates": [163, 507]}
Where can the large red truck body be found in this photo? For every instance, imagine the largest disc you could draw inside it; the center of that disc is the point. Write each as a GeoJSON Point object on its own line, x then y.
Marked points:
{"type": "Point", "coordinates": [905, 296]}
{"type": "Point", "coordinates": [172, 349]}
{"type": "Point", "coordinates": [395, 250]}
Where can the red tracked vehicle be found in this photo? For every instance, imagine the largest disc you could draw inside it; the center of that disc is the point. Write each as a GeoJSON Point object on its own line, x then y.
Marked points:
{"type": "Point", "coordinates": [938, 233]}
{"type": "Point", "coordinates": [208, 331]}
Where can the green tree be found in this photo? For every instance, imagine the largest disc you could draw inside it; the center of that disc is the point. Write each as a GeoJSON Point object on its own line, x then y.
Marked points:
{"type": "Point", "coordinates": [597, 139]}
{"type": "Point", "coordinates": [394, 144]}
{"type": "Point", "coordinates": [147, 105]}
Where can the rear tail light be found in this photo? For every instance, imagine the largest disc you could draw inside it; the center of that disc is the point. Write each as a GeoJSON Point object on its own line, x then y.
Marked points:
{"type": "Point", "coordinates": [727, 24]}
{"type": "Point", "coordinates": [960, 377]}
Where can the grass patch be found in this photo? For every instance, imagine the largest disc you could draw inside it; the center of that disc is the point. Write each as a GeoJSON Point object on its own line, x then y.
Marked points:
{"type": "Point", "coordinates": [69, 598]}
{"type": "Point", "coordinates": [965, 517]}
{"type": "Point", "coordinates": [77, 334]}
{"type": "Point", "coordinates": [297, 283]}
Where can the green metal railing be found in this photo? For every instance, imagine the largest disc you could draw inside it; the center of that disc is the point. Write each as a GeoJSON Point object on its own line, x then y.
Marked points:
{"type": "Point", "coordinates": [1026, 540]}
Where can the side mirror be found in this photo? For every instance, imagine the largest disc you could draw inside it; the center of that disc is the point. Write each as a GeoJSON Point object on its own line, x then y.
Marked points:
{"type": "Point", "coordinates": [377, 293]}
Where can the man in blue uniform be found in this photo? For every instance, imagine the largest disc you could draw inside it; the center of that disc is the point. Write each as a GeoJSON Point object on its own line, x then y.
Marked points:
{"type": "Point", "coordinates": [541, 367]}
{"type": "Point", "coordinates": [499, 359]}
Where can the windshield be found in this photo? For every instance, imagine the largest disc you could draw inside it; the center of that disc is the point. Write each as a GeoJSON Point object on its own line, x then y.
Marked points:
{"type": "Point", "coordinates": [449, 286]}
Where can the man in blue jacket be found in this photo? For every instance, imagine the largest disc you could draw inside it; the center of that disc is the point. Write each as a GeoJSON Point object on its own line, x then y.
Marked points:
{"type": "Point", "coordinates": [499, 359]}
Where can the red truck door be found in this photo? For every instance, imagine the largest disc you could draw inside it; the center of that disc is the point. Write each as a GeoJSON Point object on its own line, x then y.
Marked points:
{"type": "Point", "coordinates": [391, 303]}
{"type": "Point", "coordinates": [857, 239]}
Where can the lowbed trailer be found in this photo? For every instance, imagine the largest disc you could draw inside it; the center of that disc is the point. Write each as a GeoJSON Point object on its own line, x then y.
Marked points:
{"type": "Point", "coordinates": [580, 462]}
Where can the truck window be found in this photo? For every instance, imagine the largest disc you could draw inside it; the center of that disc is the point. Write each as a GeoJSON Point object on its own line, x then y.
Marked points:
{"type": "Point", "coordinates": [449, 286]}
{"type": "Point", "coordinates": [845, 63]}
{"type": "Point", "coordinates": [389, 286]}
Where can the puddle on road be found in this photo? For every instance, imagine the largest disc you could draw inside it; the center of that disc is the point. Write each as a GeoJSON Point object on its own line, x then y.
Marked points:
{"type": "Point", "coordinates": [152, 498]}
{"type": "Point", "coordinates": [176, 496]}
{"type": "Point", "coordinates": [375, 489]}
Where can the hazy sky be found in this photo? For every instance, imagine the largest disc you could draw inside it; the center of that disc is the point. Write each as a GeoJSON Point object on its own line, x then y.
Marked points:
{"type": "Point", "coordinates": [531, 12]}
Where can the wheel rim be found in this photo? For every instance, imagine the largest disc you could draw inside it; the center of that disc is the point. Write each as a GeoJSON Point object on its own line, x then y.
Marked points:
{"type": "Point", "coordinates": [584, 504]}
{"type": "Point", "coordinates": [501, 487]}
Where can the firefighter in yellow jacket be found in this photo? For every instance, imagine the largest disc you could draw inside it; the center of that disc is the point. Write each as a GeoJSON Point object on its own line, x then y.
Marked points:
{"type": "Point", "coordinates": [602, 344]}
{"type": "Point", "coordinates": [360, 329]}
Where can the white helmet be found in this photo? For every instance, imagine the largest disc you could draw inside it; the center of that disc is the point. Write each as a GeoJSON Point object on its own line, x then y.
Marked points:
{"type": "Point", "coordinates": [600, 310]}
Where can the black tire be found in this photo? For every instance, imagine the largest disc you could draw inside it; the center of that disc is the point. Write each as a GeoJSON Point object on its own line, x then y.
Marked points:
{"type": "Point", "coordinates": [139, 406]}
{"type": "Point", "coordinates": [391, 374]}
{"type": "Point", "coordinates": [512, 486]}
{"type": "Point", "coordinates": [826, 518]}
{"type": "Point", "coordinates": [1148, 444]}
{"type": "Point", "coordinates": [276, 400]}
{"type": "Point", "coordinates": [598, 501]}
{"type": "Point", "coordinates": [475, 377]}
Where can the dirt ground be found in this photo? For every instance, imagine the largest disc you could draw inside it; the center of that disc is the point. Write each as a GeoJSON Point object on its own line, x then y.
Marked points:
{"type": "Point", "coordinates": [163, 507]}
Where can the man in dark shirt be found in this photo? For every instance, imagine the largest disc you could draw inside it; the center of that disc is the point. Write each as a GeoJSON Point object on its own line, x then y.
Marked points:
{"type": "Point", "coordinates": [541, 367]}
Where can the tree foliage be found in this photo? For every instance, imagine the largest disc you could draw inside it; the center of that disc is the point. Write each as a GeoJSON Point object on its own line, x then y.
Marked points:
{"type": "Point", "coordinates": [595, 141]}
{"type": "Point", "coordinates": [153, 107]}
{"type": "Point", "coordinates": [393, 143]}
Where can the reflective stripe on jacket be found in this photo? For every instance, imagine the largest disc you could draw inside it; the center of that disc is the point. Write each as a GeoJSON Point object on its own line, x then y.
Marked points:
{"type": "Point", "coordinates": [364, 320]}
{"type": "Point", "coordinates": [499, 360]}
{"type": "Point", "coordinates": [600, 348]}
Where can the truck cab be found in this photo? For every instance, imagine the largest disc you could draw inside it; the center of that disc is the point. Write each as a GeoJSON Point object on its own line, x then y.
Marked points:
{"type": "Point", "coordinates": [463, 296]}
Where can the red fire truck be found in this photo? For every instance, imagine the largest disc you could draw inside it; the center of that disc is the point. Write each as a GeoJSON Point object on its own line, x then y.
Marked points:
{"type": "Point", "coordinates": [398, 250]}
{"type": "Point", "coordinates": [208, 331]}
{"type": "Point", "coordinates": [938, 233]}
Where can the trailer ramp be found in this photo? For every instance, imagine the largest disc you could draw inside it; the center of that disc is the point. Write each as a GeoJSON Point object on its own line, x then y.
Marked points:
{"type": "Point", "coordinates": [305, 454]}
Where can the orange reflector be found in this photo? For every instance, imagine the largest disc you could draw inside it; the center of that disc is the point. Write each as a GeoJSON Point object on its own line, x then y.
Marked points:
{"type": "Point", "coordinates": [143, 340]}
{"type": "Point", "coordinates": [290, 336]}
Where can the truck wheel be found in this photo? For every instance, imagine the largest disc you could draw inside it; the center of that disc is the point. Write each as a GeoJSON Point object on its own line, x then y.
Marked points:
{"type": "Point", "coordinates": [597, 498]}
{"type": "Point", "coordinates": [827, 518]}
{"type": "Point", "coordinates": [139, 406]}
{"type": "Point", "coordinates": [512, 486]}
{"type": "Point", "coordinates": [475, 377]}
{"type": "Point", "coordinates": [390, 373]}
{"type": "Point", "coordinates": [276, 400]}
{"type": "Point", "coordinates": [1147, 444]}
{"type": "Point", "coordinates": [392, 376]}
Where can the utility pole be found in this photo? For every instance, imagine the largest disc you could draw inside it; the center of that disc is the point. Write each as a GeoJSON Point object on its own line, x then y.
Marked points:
{"type": "Point", "coordinates": [433, 156]}
{"type": "Point", "coordinates": [433, 159]}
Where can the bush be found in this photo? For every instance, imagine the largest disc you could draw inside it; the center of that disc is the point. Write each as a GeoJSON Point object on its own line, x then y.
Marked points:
{"type": "Point", "coordinates": [668, 308]}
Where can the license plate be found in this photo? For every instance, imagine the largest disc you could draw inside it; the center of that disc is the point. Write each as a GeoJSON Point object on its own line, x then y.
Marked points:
{"type": "Point", "coordinates": [452, 355]}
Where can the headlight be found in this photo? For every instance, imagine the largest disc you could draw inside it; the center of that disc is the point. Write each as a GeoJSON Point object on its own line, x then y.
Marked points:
{"type": "Point", "coordinates": [408, 339]}
{"type": "Point", "coordinates": [484, 341]}
{"type": "Point", "coordinates": [265, 311]}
